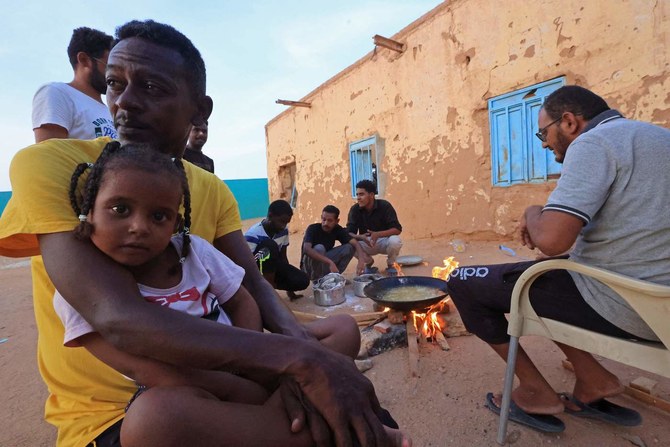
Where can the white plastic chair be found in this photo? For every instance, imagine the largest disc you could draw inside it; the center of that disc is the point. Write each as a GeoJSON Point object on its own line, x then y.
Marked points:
{"type": "Point", "coordinates": [649, 300]}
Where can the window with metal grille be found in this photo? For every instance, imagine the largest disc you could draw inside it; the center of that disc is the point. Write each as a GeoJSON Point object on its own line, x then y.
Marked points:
{"type": "Point", "coordinates": [517, 155]}
{"type": "Point", "coordinates": [363, 161]}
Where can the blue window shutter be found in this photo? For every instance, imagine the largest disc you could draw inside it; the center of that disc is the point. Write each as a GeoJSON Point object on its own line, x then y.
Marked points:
{"type": "Point", "coordinates": [518, 159]}
{"type": "Point", "coordinates": [500, 148]}
{"type": "Point", "coordinates": [517, 155]}
{"type": "Point", "coordinates": [538, 155]}
{"type": "Point", "coordinates": [543, 164]}
{"type": "Point", "coordinates": [361, 160]}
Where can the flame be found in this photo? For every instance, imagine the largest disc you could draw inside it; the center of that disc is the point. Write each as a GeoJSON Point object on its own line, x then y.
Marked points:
{"type": "Point", "coordinates": [427, 322]}
{"type": "Point", "coordinates": [396, 266]}
{"type": "Point", "coordinates": [450, 264]}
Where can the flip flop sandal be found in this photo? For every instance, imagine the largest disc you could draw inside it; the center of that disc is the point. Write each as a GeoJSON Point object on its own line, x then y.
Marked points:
{"type": "Point", "coordinates": [541, 422]}
{"type": "Point", "coordinates": [603, 410]}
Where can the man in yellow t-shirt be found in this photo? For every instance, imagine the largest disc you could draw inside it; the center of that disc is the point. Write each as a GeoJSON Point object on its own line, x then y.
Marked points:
{"type": "Point", "coordinates": [73, 373]}
{"type": "Point", "coordinates": [156, 92]}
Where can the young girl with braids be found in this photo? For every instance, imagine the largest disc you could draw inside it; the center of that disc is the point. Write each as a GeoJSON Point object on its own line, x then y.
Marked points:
{"type": "Point", "coordinates": [129, 209]}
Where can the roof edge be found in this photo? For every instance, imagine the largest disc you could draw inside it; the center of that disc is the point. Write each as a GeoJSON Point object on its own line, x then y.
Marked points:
{"type": "Point", "coordinates": [404, 31]}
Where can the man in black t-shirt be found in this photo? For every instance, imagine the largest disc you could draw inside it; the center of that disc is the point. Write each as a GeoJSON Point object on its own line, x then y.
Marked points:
{"type": "Point", "coordinates": [374, 223]}
{"type": "Point", "coordinates": [319, 254]}
{"type": "Point", "coordinates": [193, 152]}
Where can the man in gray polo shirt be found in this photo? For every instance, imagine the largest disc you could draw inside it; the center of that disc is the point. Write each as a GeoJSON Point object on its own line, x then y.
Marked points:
{"type": "Point", "coordinates": [611, 204]}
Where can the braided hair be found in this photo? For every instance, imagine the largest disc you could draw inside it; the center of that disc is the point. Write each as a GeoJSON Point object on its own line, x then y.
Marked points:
{"type": "Point", "coordinates": [115, 156]}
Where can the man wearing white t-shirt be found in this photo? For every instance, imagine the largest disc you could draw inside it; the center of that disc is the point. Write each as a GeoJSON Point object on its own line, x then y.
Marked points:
{"type": "Point", "coordinates": [75, 109]}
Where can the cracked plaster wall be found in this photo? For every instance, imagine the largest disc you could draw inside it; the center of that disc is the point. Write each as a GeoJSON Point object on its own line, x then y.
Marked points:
{"type": "Point", "coordinates": [429, 107]}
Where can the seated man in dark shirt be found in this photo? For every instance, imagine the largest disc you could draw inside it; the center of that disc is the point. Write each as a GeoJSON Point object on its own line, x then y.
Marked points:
{"type": "Point", "coordinates": [374, 223]}
{"type": "Point", "coordinates": [193, 152]}
{"type": "Point", "coordinates": [319, 254]}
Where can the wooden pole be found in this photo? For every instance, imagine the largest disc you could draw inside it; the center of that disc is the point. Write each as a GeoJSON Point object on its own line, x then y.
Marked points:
{"type": "Point", "coordinates": [293, 103]}
{"type": "Point", "coordinates": [413, 348]}
{"type": "Point", "coordinates": [648, 398]}
{"type": "Point", "coordinates": [442, 341]}
{"type": "Point", "coordinates": [385, 42]}
{"type": "Point", "coordinates": [305, 317]}
{"type": "Point", "coordinates": [363, 319]}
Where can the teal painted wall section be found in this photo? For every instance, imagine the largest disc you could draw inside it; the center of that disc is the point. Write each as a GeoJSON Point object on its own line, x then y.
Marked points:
{"type": "Point", "coordinates": [4, 198]}
{"type": "Point", "coordinates": [252, 196]}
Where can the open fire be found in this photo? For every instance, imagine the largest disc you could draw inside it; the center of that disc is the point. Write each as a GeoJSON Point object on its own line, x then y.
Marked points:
{"type": "Point", "coordinates": [427, 323]}
{"type": "Point", "coordinates": [422, 326]}
{"type": "Point", "coordinates": [450, 264]}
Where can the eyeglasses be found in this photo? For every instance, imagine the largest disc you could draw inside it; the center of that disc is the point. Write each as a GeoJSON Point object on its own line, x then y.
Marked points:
{"type": "Point", "coordinates": [99, 60]}
{"type": "Point", "coordinates": [542, 133]}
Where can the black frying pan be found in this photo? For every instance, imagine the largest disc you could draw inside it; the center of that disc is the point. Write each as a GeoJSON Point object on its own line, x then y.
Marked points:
{"type": "Point", "coordinates": [376, 289]}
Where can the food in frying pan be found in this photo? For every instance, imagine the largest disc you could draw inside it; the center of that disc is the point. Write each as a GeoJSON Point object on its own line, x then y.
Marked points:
{"type": "Point", "coordinates": [409, 293]}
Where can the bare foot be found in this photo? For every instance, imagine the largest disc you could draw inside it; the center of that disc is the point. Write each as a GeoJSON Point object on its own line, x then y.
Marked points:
{"type": "Point", "coordinates": [593, 390]}
{"type": "Point", "coordinates": [593, 381]}
{"type": "Point", "coordinates": [398, 438]}
{"type": "Point", "coordinates": [535, 401]}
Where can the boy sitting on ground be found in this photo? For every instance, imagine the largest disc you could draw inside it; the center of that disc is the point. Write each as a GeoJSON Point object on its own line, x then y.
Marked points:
{"type": "Point", "coordinates": [268, 241]}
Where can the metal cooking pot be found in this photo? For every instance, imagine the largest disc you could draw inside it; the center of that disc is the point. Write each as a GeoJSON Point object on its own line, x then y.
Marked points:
{"type": "Point", "coordinates": [375, 290]}
{"type": "Point", "coordinates": [329, 297]}
{"type": "Point", "coordinates": [329, 290]}
{"type": "Point", "coordinates": [363, 280]}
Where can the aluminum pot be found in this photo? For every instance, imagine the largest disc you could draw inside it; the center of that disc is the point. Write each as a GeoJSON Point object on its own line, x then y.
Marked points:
{"type": "Point", "coordinates": [363, 280]}
{"type": "Point", "coordinates": [330, 297]}
{"type": "Point", "coordinates": [329, 290]}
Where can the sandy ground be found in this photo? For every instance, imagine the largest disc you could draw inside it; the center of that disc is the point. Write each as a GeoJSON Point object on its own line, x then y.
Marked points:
{"type": "Point", "coordinates": [445, 406]}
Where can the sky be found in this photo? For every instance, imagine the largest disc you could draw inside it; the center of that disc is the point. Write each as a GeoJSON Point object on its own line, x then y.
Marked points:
{"type": "Point", "coordinates": [256, 51]}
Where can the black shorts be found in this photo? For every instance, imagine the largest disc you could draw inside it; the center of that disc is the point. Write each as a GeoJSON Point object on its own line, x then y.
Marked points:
{"type": "Point", "coordinates": [482, 295]}
{"type": "Point", "coordinates": [110, 437]}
